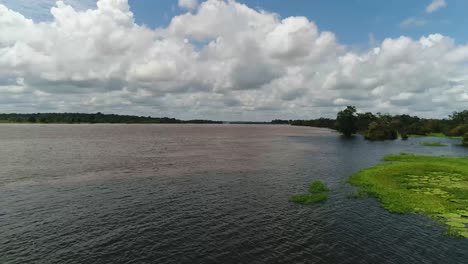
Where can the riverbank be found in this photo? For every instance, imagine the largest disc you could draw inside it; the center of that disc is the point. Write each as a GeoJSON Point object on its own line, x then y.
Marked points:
{"type": "Point", "coordinates": [433, 186]}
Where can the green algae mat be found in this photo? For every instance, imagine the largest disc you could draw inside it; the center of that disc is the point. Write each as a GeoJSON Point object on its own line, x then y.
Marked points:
{"type": "Point", "coordinates": [433, 186]}
{"type": "Point", "coordinates": [433, 144]}
{"type": "Point", "coordinates": [318, 192]}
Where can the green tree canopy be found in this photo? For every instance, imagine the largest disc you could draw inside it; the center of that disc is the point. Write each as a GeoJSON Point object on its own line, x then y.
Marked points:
{"type": "Point", "coordinates": [381, 129]}
{"type": "Point", "coordinates": [460, 117]}
{"type": "Point", "coordinates": [346, 121]}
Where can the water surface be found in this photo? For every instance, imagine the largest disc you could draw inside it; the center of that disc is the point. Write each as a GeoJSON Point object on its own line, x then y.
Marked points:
{"type": "Point", "coordinates": [202, 194]}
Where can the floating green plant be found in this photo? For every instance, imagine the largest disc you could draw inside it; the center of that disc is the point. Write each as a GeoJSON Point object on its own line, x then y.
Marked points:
{"type": "Point", "coordinates": [317, 187]}
{"type": "Point", "coordinates": [308, 198]}
{"type": "Point", "coordinates": [438, 135]}
{"type": "Point", "coordinates": [433, 144]}
{"type": "Point", "coordinates": [318, 192]}
{"type": "Point", "coordinates": [433, 186]}
{"type": "Point", "coordinates": [441, 135]}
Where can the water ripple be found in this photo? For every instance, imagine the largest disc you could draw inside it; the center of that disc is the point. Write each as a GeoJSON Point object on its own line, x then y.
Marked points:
{"type": "Point", "coordinates": [201, 194]}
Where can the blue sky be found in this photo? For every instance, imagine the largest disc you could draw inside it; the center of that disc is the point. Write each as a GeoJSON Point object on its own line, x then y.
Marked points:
{"type": "Point", "coordinates": [234, 60]}
{"type": "Point", "coordinates": [353, 21]}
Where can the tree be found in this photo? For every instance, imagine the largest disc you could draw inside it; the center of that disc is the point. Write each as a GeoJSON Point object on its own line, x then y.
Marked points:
{"type": "Point", "coordinates": [459, 130]}
{"type": "Point", "coordinates": [459, 117]}
{"type": "Point", "coordinates": [346, 121]}
{"type": "Point", "coordinates": [32, 119]}
{"type": "Point", "coordinates": [381, 129]}
{"type": "Point", "coordinates": [364, 120]}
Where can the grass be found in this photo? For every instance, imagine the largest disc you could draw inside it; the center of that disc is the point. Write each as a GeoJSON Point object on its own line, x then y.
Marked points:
{"type": "Point", "coordinates": [441, 135]}
{"type": "Point", "coordinates": [438, 135]}
{"type": "Point", "coordinates": [433, 144]}
{"type": "Point", "coordinates": [433, 186]}
{"type": "Point", "coordinates": [318, 192]}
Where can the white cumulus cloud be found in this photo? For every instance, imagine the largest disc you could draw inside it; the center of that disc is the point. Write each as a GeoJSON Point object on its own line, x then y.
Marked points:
{"type": "Point", "coordinates": [412, 22]}
{"type": "Point", "coordinates": [224, 61]}
{"type": "Point", "coordinates": [39, 10]}
{"type": "Point", "coordinates": [435, 5]}
{"type": "Point", "coordinates": [188, 4]}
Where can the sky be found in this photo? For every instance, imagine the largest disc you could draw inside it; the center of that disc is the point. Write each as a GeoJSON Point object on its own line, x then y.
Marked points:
{"type": "Point", "coordinates": [234, 60]}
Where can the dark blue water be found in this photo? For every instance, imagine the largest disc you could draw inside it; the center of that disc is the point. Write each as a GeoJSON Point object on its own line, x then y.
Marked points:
{"type": "Point", "coordinates": [202, 194]}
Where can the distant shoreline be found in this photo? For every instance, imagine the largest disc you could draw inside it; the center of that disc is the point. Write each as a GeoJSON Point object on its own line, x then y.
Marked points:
{"type": "Point", "coordinates": [182, 123]}
{"type": "Point", "coordinates": [100, 118]}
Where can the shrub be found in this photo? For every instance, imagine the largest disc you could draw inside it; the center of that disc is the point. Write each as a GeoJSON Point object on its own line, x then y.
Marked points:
{"type": "Point", "coordinates": [459, 130]}
{"type": "Point", "coordinates": [465, 140]}
{"type": "Point", "coordinates": [381, 130]}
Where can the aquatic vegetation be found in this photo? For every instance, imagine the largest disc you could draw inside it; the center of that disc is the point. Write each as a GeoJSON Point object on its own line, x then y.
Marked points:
{"type": "Point", "coordinates": [437, 135]}
{"type": "Point", "coordinates": [441, 135]}
{"type": "Point", "coordinates": [433, 144]}
{"type": "Point", "coordinates": [318, 192]}
{"type": "Point", "coordinates": [308, 198]}
{"type": "Point", "coordinates": [317, 187]}
{"type": "Point", "coordinates": [433, 186]}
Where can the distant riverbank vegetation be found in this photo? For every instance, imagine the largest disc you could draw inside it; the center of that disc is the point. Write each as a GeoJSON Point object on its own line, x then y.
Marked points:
{"type": "Point", "coordinates": [73, 118]}
{"type": "Point", "coordinates": [77, 118]}
{"type": "Point", "coordinates": [389, 127]}
{"type": "Point", "coordinates": [433, 186]}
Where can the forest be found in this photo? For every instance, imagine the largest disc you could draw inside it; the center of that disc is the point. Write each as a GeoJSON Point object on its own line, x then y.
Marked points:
{"type": "Point", "coordinates": [76, 118]}
{"type": "Point", "coordinates": [388, 127]}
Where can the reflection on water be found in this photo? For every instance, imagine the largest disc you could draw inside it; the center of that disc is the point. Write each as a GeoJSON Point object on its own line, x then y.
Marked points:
{"type": "Point", "coordinates": [201, 194]}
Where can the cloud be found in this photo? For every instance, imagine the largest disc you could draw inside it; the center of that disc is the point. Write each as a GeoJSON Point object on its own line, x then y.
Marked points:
{"type": "Point", "coordinates": [39, 10]}
{"type": "Point", "coordinates": [412, 22]}
{"type": "Point", "coordinates": [435, 5]}
{"type": "Point", "coordinates": [223, 61]}
{"type": "Point", "coordinates": [188, 4]}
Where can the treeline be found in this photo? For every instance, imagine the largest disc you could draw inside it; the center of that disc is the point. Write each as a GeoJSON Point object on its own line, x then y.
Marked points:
{"type": "Point", "coordinates": [384, 126]}
{"type": "Point", "coordinates": [321, 122]}
{"type": "Point", "coordinates": [75, 118]}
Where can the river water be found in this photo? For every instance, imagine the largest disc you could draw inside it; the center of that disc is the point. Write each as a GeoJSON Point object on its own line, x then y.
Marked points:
{"type": "Point", "coordinates": [202, 194]}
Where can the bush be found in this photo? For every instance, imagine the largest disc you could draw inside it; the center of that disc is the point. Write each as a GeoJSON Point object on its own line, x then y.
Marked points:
{"type": "Point", "coordinates": [404, 135]}
{"type": "Point", "coordinates": [459, 130]}
{"type": "Point", "coordinates": [465, 140]}
{"type": "Point", "coordinates": [381, 130]}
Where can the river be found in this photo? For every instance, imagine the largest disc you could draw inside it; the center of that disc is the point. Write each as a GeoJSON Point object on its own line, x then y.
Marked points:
{"type": "Point", "coordinates": [202, 194]}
